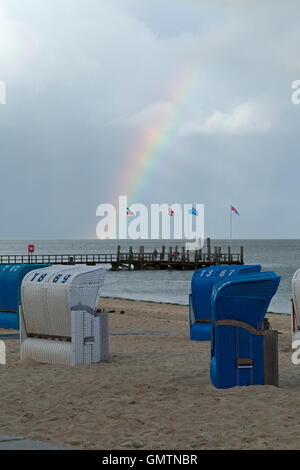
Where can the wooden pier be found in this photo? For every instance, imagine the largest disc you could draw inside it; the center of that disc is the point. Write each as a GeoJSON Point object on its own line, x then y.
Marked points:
{"type": "Point", "coordinates": [171, 259]}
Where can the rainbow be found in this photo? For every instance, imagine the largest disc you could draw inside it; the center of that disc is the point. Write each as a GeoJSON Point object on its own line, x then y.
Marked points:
{"type": "Point", "coordinates": [151, 144]}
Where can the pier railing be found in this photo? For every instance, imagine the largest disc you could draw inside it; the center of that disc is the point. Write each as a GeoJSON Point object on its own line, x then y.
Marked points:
{"type": "Point", "coordinates": [58, 259]}
{"type": "Point", "coordinates": [180, 257]}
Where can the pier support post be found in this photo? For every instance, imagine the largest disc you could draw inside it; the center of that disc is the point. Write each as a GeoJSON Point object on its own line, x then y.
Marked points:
{"type": "Point", "coordinates": [216, 255]}
{"type": "Point", "coordinates": [141, 257]}
{"type": "Point", "coordinates": [208, 249]}
{"type": "Point", "coordinates": [229, 255]}
{"type": "Point", "coordinates": [242, 255]}
{"type": "Point", "coordinates": [219, 255]}
{"type": "Point", "coordinates": [130, 258]}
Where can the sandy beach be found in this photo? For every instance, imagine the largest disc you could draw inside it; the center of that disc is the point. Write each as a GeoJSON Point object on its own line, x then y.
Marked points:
{"type": "Point", "coordinates": [155, 393]}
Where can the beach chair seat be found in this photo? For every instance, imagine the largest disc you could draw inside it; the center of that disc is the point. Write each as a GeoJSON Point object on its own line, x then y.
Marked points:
{"type": "Point", "coordinates": [202, 285]}
{"type": "Point", "coordinates": [244, 351]}
{"type": "Point", "coordinates": [11, 276]}
{"type": "Point", "coordinates": [60, 321]}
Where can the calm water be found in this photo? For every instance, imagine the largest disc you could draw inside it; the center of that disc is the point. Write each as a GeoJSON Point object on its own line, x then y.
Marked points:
{"type": "Point", "coordinates": [281, 256]}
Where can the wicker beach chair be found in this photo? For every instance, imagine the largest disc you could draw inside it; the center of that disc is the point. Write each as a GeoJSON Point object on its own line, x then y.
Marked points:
{"type": "Point", "coordinates": [242, 351]}
{"type": "Point", "coordinates": [11, 276]}
{"type": "Point", "coordinates": [202, 285]}
{"type": "Point", "coordinates": [60, 322]}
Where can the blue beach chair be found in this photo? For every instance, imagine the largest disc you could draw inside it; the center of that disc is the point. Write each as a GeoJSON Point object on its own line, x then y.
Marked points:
{"type": "Point", "coordinates": [242, 352]}
{"type": "Point", "coordinates": [202, 285]}
{"type": "Point", "coordinates": [11, 276]}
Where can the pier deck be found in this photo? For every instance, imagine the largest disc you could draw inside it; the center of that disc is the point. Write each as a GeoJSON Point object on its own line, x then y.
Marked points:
{"type": "Point", "coordinates": [171, 259]}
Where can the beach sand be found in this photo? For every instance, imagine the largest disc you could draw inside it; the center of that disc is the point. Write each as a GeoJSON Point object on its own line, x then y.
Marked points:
{"type": "Point", "coordinates": [154, 394]}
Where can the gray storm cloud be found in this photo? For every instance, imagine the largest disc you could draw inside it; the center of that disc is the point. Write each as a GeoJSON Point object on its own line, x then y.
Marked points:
{"type": "Point", "coordinates": [83, 77]}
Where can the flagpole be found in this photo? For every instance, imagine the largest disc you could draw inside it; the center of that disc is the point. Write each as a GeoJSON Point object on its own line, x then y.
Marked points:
{"type": "Point", "coordinates": [230, 230]}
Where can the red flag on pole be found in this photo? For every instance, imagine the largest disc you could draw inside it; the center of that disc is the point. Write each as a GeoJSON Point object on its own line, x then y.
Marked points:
{"type": "Point", "coordinates": [233, 209]}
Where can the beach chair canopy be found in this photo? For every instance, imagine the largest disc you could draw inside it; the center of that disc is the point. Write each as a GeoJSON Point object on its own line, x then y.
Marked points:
{"type": "Point", "coordinates": [239, 306]}
{"type": "Point", "coordinates": [202, 285]}
{"type": "Point", "coordinates": [245, 298]}
{"type": "Point", "coordinates": [204, 280]}
{"type": "Point", "coordinates": [11, 276]}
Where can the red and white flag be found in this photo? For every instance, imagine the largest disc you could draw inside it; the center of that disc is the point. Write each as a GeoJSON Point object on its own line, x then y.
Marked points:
{"type": "Point", "coordinates": [129, 212]}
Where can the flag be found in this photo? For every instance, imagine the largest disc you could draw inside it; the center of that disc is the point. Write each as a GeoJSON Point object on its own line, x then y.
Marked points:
{"type": "Point", "coordinates": [233, 209]}
{"type": "Point", "coordinates": [193, 211]}
{"type": "Point", "coordinates": [171, 212]}
{"type": "Point", "coordinates": [129, 212]}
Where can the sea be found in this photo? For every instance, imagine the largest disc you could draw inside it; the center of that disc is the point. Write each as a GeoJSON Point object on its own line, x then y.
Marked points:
{"type": "Point", "coordinates": [281, 256]}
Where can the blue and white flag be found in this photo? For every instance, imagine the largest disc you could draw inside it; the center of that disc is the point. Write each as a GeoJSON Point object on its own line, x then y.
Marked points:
{"type": "Point", "coordinates": [193, 211]}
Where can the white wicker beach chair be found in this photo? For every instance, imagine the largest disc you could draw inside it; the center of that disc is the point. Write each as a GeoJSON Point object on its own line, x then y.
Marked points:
{"type": "Point", "coordinates": [59, 319]}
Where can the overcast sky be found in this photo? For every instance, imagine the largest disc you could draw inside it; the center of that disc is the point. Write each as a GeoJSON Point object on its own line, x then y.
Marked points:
{"type": "Point", "coordinates": [89, 81]}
